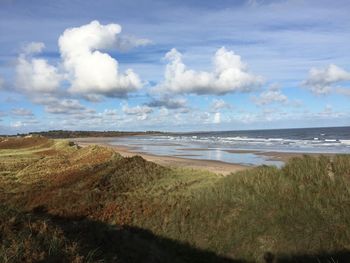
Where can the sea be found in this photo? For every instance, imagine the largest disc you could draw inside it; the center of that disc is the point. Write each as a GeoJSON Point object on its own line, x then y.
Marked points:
{"type": "Point", "coordinates": [245, 147]}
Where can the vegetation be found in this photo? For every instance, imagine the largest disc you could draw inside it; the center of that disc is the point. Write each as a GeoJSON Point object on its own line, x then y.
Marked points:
{"type": "Point", "coordinates": [63, 134]}
{"type": "Point", "coordinates": [65, 203]}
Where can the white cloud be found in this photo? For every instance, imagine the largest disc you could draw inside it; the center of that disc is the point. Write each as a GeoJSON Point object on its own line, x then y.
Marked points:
{"type": "Point", "coordinates": [217, 118]}
{"type": "Point", "coordinates": [35, 75]}
{"type": "Point", "coordinates": [110, 112]}
{"type": "Point", "coordinates": [92, 72]}
{"type": "Point", "coordinates": [58, 106]}
{"type": "Point", "coordinates": [24, 123]}
{"type": "Point", "coordinates": [33, 48]}
{"type": "Point", "coordinates": [163, 112]}
{"type": "Point", "coordinates": [65, 106]}
{"type": "Point", "coordinates": [219, 104]}
{"type": "Point", "coordinates": [140, 111]}
{"type": "Point", "coordinates": [321, 81]}
{"type": "Point", "coordinates": [271, 95]}
{"type": "Point", "coordinates": [17, 124]}
{"type": "Point", "coordinates": [230, 74]}
{"type": "Point", "coordinates": [1, 83]}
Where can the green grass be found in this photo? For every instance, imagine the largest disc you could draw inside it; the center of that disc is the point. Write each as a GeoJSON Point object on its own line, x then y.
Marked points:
{"type": "Point", "coordinates": [303, 208]}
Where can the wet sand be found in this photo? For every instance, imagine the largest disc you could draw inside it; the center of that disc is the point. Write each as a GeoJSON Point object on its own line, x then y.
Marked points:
{"type": "Point", "coordinates": [170, 161]}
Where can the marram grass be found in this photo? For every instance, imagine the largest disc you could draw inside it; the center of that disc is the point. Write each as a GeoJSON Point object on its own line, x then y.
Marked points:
{"type": "Point", "coordinates": [303, 208]}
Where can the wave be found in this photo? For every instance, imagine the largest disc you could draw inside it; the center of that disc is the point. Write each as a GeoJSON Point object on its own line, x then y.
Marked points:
{"type": "Point", "coordinates": [346, 142]}
{"type": "Point", "coordinates": [270, 143]}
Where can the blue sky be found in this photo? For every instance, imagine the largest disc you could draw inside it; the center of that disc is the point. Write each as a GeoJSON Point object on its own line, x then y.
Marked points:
{"type": "Point", "coordinates": [194, 65]}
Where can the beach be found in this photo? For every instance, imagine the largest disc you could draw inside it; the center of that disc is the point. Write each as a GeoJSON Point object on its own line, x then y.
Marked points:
{"type": "Point", "coordinates": [230, 151]}
{"type": "Point", "coordinates": [170, 161]}
{"type": "Point", "coordinates": [191, 159]}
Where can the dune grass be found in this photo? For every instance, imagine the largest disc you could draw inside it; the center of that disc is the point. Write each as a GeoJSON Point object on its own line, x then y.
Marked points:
{"type": "Point", "coordinates": [302, 208]}
{"type": "Point", "coordinates": [27, 238]}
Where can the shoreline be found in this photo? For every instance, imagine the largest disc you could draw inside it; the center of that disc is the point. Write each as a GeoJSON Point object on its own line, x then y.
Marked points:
{"type": "Point", "coordinates": [218, 167]}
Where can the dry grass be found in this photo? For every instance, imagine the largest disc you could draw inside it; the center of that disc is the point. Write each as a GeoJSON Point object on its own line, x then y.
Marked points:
{"type": "Point", "coordinates": [303, 208]}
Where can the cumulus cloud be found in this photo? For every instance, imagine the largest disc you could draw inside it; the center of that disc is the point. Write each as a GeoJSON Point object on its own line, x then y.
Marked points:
{"type": "Point", "coordinates": [34, 75]}
{"type": "Point", "coordinates": [91, 71]}
{"type": "Point", "coordinates": [229, 75]}
{"type": "Point", "coordinates": [21, 112]}
{"type": "Point", "coordinates": [321, 81]}
{"type": "Point", "coordinates": [86, 70]}
{"type": "Point", "coordinates": [167, 102]}
{"type": "Point", "coordinates": [140, 111]}
{"type": "Point", "coordinates": [271, 95]}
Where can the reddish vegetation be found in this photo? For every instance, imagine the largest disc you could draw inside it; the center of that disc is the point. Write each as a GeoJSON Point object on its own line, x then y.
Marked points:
{"type": "Point", "coordinates": [24, 142]}
{"type": "Point", "coordinates": [87, 182]}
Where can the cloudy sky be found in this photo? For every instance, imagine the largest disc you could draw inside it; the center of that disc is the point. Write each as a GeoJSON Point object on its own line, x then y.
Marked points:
{"type": "Point", "coordinates": [173, 65]}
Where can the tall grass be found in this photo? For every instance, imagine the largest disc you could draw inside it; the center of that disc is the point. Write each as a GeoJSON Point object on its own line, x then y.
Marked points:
{"type": "Point", "coordinates": [302, 208]}
{"type": "Point", "coordinates": [26, 238]}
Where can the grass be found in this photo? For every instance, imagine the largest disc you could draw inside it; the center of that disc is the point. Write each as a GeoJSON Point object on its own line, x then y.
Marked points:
{"type": "Point", "coordinates": [27, 238]}
{"type": "Point", "coordinates": [301, 209]}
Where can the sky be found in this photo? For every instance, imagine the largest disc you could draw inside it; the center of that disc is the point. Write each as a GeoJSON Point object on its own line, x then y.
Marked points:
{"type": "Point", "coordinates": [173, 65]}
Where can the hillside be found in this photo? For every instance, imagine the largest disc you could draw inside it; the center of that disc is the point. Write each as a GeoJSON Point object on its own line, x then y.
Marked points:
{"type": "Point", "coordinates": [65, 203]}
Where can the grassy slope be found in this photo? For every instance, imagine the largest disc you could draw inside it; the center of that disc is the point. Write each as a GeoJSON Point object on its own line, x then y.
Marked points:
{"type": "Point", "coordinates": [302, 209]}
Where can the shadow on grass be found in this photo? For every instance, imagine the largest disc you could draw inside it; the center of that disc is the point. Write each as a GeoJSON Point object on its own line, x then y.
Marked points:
{"type": "Point", "coordinates": [101, 242]}
{"type": "Point", "coordinates": [327, 257]}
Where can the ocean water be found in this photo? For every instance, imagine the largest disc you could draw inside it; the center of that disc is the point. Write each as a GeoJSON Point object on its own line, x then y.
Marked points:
{"type": "Point", "coordinates": [219, 145]}
{"type": "Point", "coordinates": [311, 140]}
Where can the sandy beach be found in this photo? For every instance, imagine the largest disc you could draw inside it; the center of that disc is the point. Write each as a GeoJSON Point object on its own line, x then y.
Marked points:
{"type": "Point", "coordinates": [215, 166]}
{"type": "Point", "coordinates": [171, 161]}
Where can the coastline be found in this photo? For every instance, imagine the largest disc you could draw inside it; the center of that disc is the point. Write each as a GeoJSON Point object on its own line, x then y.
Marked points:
{"type": "Point", "coordinates": [217, 167]}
